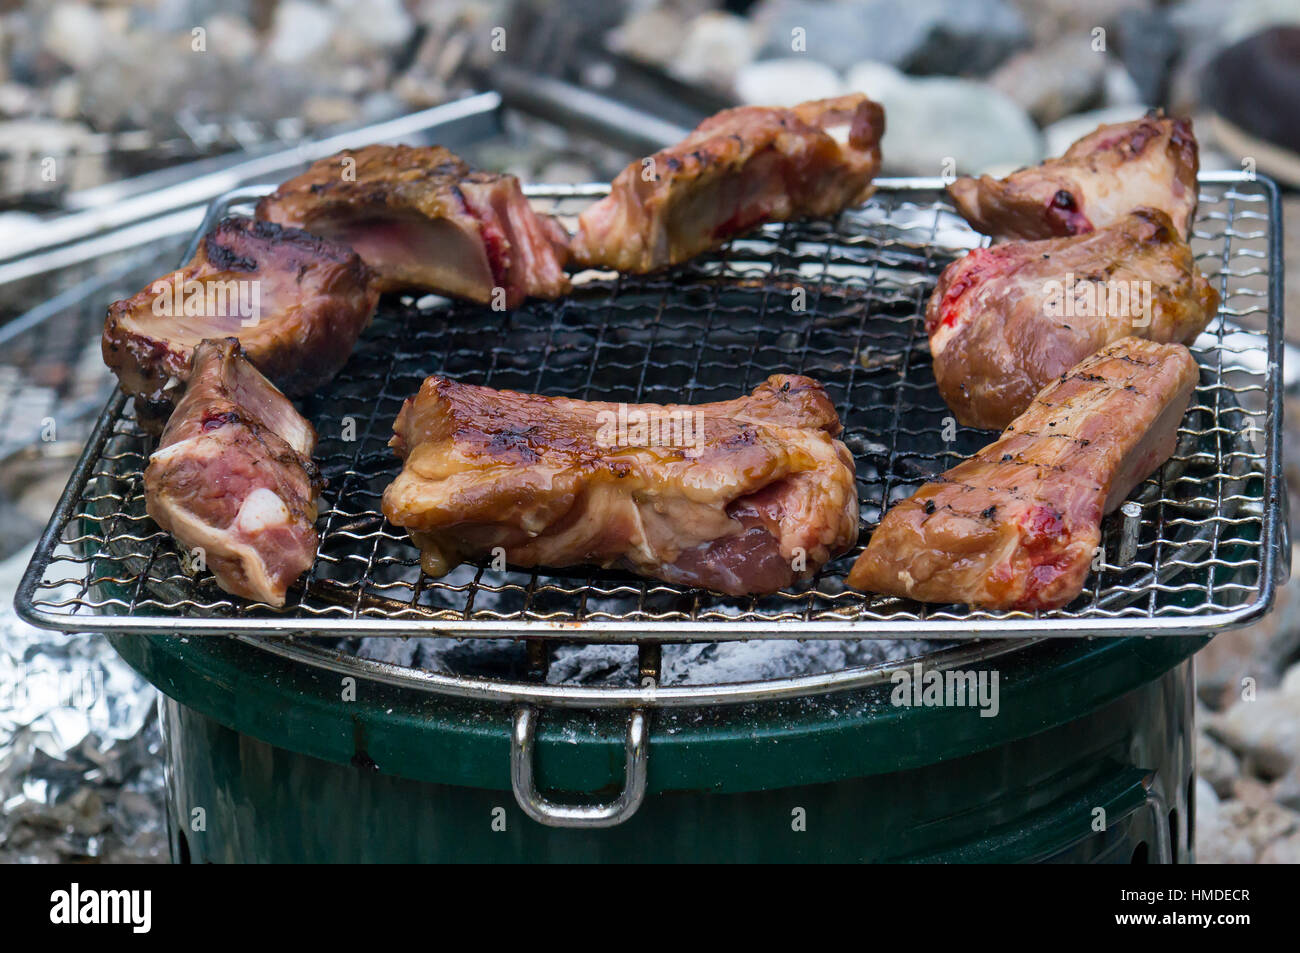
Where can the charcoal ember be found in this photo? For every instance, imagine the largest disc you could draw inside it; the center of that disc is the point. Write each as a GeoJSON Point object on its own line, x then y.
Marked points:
{"type": "Point", "coordinates": [702, 663]}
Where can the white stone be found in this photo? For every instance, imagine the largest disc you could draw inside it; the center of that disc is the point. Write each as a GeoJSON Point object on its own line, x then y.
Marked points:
{"type": "Point", "coordinates": [933, 122]}
{"type": "Point", "coordinates": [17, 99]}
{"type": "Point", "coordinates": [1265, 732]}
{"type": "Point", "coordinates": [1291, 681]}
{"type": "Point", "coordinates": [1118, 86]}
{"type": "Point", "coordinates": [651, 35]}
{"type": "Point", "coordinates": [385, 23]}
{"type": "Point", "coordinates": [230, 38]}
{"type": "Point", "coordinates": [77, 34]}
{"type": "Point", "coordinates": [876, 79]}
{"type": "Point", "coordinates": [299, 30]}
{"type": "Point", "coordinates": [65, 98]}
{"type": "Point", "coordinates": [716, 46]}
{"type": "Point", "coordinates": [1215, 763]}
{"type": "Point", "coordinates": [1207, 801]}
{"type": "Point", "coordinates": [786, 82]}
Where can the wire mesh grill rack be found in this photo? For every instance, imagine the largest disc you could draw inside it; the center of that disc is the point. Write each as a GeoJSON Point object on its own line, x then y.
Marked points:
{"type": "Point", "coordinates": [841, 302]}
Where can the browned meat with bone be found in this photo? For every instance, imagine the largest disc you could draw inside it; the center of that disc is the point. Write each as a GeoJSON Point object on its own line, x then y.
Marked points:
{"type": "Point", "coordinates": [1004, 321]}
{"type": "Point", "coordinates": [296, 302]}
{"type": "Point", "coordinates": [1149, 162]}
{"type": "Point", "coordinates": [742, 496]}
{"type": "Point", "coordinates": [423, 220]}
{"type": "Point", "coordinates": [233, 478]}
{"type": "Point", "coordinates": [1017, 525]}
{"type": "Point", "coordinates": [738, 169]}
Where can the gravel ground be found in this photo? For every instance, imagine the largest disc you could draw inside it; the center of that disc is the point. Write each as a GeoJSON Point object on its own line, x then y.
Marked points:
{"type": "Point", "coordinates": [1248, 742]}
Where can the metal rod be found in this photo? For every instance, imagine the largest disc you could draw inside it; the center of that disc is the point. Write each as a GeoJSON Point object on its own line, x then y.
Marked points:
{"type": "Point", "coordinates": [575, 107]}
{"type": "Point", "coordinates": [539, 659]}
{"type": "Point", "coordinates": [1132, 512]}
{"type": "Point", "coordinates": [465, 120]}
{"type": "Point", "coordinates": [650, 656]}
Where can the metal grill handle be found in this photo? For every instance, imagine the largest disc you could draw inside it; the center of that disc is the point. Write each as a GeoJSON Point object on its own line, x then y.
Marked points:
{"type": "Point", "coordinates": [552, 814]}
{"type": "Point", "coordinates": [1282, 560]}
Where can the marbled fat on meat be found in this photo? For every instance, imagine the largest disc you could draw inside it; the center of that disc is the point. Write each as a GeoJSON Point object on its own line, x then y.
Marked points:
{"type": "Point", "coordinates": [738, 169]}
{"type": "Point", "coordinates": [425, 221]}
{"type": "Point", "coordinates": [233, 477]}
{"type": "Point", "coordinates": [1017, 525]}
{"type": "Point", "coordinates": [761, 496]}
{"type": "Point", "coordinates": [309, 299]}
{"type": "Point", "coordinates": [1151, 162]}
{"type": "Point", "coordinates": [1006, 321]}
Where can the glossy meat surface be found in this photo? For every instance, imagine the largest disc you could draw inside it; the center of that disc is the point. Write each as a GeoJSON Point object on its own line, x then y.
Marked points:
{"type": "Point", "coordinates": [1151, 162]}
{"type": "Point", "coordinates": [740, 496]}
{"type": "Point", "coordinates": [297, 304]}
{"type": "Point", "coordinates": [1017, 525]}
{"type": "Point", "coordinates": [1005, 321]}
{"type": "Point", "coordinates": [738, 169]}
{"type": "Point", "coordinates": [425, 221]}
{"type": "Point", "coordinates": [233, 478]}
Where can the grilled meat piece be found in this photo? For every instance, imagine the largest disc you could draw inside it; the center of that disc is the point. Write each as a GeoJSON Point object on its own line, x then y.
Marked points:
{"type": "Point", "coordinates": [1004, 321]}
{"type": "Point", "coordinates": [738, 169]}
{"type": "Point", "coordinates": [741, 496]}
{"type": "Point", "coordinates": [1017, 525]}
{"type": "Point", "coordinates": [233, 476]}
{"type": "Point", "coordinates": [296, 302]}
{"type": "Point", "coordinates": [423, 220]}
{"type": "Point", "coordinates": [1149, 162]}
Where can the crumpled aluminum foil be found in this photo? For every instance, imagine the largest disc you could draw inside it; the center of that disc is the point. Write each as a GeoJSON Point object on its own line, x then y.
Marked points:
{"type": "Point", "coordinates": [81, 775]}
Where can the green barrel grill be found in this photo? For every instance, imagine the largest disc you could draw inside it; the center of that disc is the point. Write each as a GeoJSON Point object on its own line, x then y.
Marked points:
{"type": "Point", "coordinates": [282, 769]}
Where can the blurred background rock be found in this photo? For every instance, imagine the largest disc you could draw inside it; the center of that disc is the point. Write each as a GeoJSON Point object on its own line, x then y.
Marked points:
{"type": "Point", "coordinates": [113, 89]}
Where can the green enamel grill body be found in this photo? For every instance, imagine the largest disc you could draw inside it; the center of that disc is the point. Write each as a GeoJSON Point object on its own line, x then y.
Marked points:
{"type": "Point", "coordinates": [1088, 758]}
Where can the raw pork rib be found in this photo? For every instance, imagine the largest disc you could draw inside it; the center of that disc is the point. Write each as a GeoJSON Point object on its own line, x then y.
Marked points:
{"type": "Point", "coordinates": [424, 220]}
{"type": "Point", "coordinates": [1007, 320]}
{"type": "Point", "coordinates": [1017, 525]}
{"type": "Point", "coordinates": [311, 298]}
{"type": "Point", "coordinates": [738, 169]}
{"type": "Point", "coordinates": [1149, 162]}
{"type": "Point", "coordinates": [742, 496]}
{"type": "Point", "coordinates": [233, 477]}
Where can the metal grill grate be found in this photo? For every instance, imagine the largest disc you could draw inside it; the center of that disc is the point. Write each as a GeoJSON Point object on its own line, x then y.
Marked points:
{"type": "Point", "coordinates": [1209, 543]}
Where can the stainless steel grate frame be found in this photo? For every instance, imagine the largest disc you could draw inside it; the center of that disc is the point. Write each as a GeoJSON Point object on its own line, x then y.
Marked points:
{"type": "Point", "coordinates": [1210, 538]}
